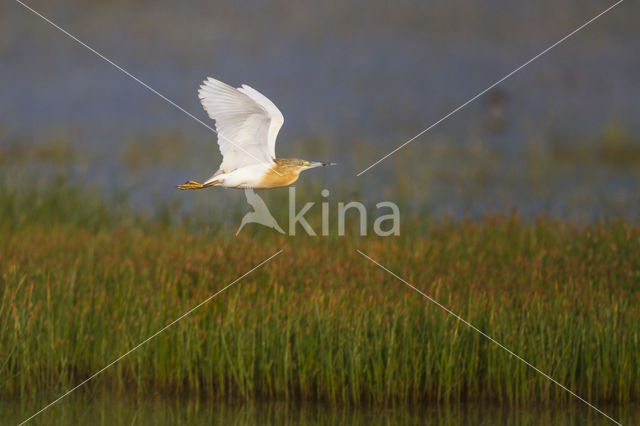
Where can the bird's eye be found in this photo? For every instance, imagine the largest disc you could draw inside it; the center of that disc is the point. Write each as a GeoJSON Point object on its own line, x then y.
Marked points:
{"type": "Point", "coordinates": [305, 163]}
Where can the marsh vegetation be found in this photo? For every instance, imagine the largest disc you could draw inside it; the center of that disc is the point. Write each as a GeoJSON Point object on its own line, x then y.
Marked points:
{"type": "Point", "coordinates": [83, 280]}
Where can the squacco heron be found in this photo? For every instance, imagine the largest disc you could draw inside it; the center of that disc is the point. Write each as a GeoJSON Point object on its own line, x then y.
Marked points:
{"type": "Point", "coordinates": [247, 124]}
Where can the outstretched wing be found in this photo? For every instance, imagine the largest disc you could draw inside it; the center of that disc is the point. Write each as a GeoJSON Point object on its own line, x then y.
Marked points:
{"type": "Point", "coordinates": [246, 121]}
{"type": "Point", "coordinates": [277, 120]}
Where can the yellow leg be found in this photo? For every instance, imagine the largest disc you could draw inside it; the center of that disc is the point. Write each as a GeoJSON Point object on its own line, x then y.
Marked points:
{"type": "Point", "coordinates": [191, 185]}
{"type": "Point", "coordinates": [195, 185]}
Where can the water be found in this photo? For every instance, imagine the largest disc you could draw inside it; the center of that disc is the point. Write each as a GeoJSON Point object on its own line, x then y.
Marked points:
{"type": "Point", "coordinates": [149, 410]}
{"type": "Point", "coordinates": [353, 81]}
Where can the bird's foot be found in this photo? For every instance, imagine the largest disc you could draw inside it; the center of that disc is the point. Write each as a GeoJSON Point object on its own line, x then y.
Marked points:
{"type": "Point", "coordinates": [191, 185]}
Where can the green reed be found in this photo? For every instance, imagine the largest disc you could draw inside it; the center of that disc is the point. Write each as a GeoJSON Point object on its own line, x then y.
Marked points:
{"type": "Point", "coordinates": [82, 282]}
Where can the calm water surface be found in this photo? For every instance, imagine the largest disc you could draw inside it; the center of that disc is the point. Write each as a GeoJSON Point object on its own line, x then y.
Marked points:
{"type": "Point", "coordinates": [354, 80]}
{"type": "Point", "coordinates": [107, 410]}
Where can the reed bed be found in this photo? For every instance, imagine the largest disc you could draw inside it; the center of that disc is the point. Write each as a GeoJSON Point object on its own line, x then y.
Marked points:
{"type": "Point", "coordinates": [82, 282]}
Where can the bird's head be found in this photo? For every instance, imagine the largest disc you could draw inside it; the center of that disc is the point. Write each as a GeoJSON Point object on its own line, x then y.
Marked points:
{"type": "Point", "coordinates": [297, 165]}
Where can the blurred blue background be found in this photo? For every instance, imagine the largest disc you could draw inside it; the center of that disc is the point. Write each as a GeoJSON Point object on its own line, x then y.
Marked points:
{"type": "Point", "coordinates": [354, 80]}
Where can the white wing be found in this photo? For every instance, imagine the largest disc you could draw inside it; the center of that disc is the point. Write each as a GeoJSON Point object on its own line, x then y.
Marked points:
{"type": "Point", "coordinates": [277, 120]}
{"type": "Point", "coordinates": [246, 121]}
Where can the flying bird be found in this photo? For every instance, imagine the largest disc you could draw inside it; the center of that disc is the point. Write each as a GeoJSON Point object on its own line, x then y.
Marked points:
{"type": "Point", "coordinates": [247, 123]}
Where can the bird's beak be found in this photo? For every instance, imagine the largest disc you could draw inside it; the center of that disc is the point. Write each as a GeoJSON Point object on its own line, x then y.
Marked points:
{"type": "Point", "coordinates": [313, 164]}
